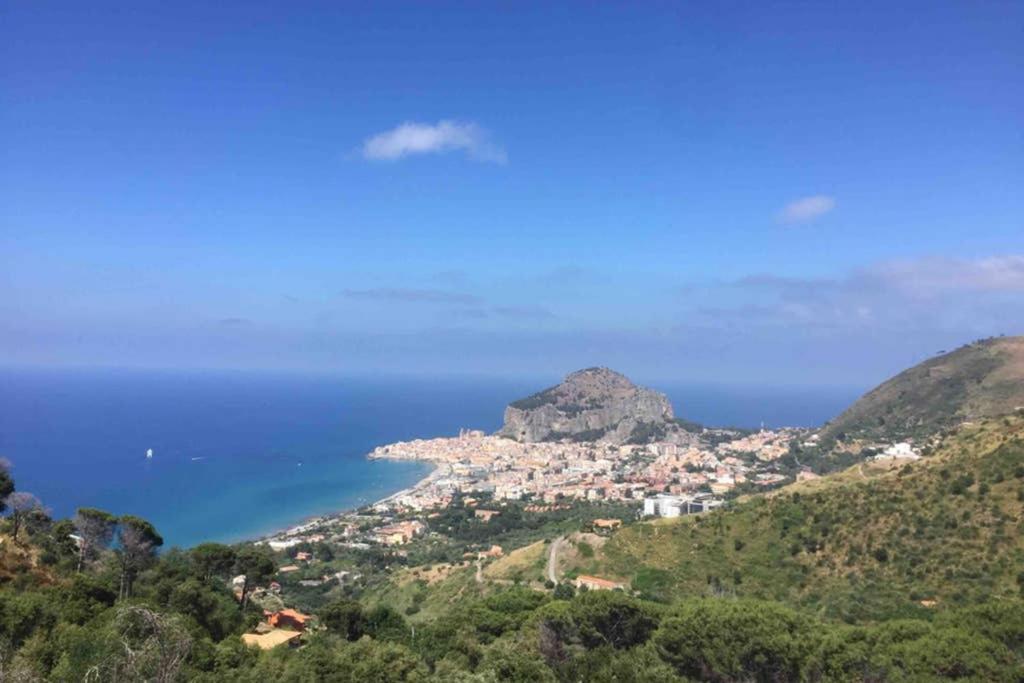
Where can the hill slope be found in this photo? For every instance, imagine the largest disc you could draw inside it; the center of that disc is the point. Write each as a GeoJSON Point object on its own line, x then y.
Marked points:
{"type": "Point", "coordinates": [979, 380]}
{"type": "Point", "coordinates": [878, 540]}
{"type": "Point", "coordinates": [591, 404]}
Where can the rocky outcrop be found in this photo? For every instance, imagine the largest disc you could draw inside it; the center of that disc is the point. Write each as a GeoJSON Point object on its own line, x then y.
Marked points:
{"type": "Point", "coordinates": [596, 404]}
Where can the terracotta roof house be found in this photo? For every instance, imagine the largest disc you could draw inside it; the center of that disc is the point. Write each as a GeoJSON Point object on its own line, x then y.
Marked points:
{"type": "Point", "coordinates": [607, 523]}
{"type": "Point", "coordinates": [266, 641]}
{"type": "Point", "coordinates": [289, 618]}
{"type": "Point", "coordinates": [596, 583]}
{"type": "Point", "coordinates": [486, 515]}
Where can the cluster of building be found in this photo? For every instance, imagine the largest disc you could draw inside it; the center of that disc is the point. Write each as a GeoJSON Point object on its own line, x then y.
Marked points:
{"type": "Point", "coordinates": [551, 473]}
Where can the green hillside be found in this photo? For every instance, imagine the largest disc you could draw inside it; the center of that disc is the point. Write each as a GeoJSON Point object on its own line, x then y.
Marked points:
{"type": "Point", "coordinates": [882, 539]}
{"type": "Point", "coordinates": [982, 379]}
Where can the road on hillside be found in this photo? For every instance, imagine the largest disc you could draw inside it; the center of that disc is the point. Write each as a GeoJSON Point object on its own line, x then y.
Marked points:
{"type": "Point", "coordinates": [553, 559]}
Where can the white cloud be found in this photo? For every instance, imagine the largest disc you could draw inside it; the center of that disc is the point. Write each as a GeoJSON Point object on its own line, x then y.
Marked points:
{"type": "Point", "coordinates": [806, 209]}
{"type": "Point", "coordinates": [423, 138]}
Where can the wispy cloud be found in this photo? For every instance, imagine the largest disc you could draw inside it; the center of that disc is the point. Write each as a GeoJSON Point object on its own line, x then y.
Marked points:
{"type": "Point", "coordinates": [927, 293]}
{"type": "Point", "coordinates": [423, 138]}
{"type": "Point", "coordinates": [523, 312]}
{"type": "Point", "coordinates": [532, 314]}
{"type": "Point", "coordinates": [430, 296]}
{"type": "Point", "coordinates": [936, 276]}
{"type": "Point", "coordinates": [806, 209]}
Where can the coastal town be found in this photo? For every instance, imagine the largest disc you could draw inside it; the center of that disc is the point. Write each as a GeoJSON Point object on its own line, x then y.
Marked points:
{"type": "Point", "coordinates": [549, 472]}
{"type": "Point", "coordinates": [488, 473]}
{"type": "Point", "coordinates": [571, 466]}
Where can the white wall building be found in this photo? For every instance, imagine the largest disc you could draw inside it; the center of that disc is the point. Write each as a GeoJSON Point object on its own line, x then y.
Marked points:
{"type": "Point", "coordinates": [666, 505]}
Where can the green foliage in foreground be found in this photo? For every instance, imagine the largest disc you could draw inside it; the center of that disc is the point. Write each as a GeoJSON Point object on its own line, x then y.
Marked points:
{"type": "Point", "coordinates": [517, 635]}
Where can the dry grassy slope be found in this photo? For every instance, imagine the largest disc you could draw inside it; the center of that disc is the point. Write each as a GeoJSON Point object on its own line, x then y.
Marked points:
{"type": "Point", "coordinates": [523, 564]}
{"type": "Point", "coordinates": [871, 542]}
{"type": "Point", "coordinates": [21, 561]}
{"type": "Point", "coordinates": [983, 379]}
{"type": "Point", "coordinates": [425, 595]}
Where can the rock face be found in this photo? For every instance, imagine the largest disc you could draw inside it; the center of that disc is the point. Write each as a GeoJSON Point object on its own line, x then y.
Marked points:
{"type": "Point", "coordinates": [596, 404]}
{"type": "Point", "coordinates": [982, 379]}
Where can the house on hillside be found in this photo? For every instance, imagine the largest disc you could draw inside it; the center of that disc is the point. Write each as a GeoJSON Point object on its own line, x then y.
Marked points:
{"type": "Point", "coordinates": [486, 515]}
{"type": "Point", "coordinates": [289, 618]}
{"type": "Point", "coordinates": [272, 639]}
{"type": "Point", "coordinates": [607, 524]}
{"type": "Point", "coordinates": [595, 583]}
{"type": "Point", "coordinates": [665, 505]}
{"type": "Point", "coordinates": [400, 533]}
{"type": "Point", "coordinates": [494, 551]}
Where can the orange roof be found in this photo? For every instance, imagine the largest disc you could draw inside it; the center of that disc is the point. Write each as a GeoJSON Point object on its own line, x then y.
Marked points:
{"type": "Point", "coordinates": [597, 581]}
{"type": "Point", "coordinates": [296, 615]}
{"type": "Point", "coordinates": [266, 641]}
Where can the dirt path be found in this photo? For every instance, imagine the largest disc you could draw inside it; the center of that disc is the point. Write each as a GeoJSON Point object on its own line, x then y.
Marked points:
{"type": "Point", "coordinates": [479, 571]}
{"type": "Point", "coordinates": [553, 559]}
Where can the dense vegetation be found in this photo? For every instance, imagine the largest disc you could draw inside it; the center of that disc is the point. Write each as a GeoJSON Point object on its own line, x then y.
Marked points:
{"type": "Point", "coordinates": [534, 401]}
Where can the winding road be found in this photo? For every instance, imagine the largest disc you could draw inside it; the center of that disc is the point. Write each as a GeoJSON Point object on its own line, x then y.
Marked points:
{"type": "Point", "coordinates": [553, 559]}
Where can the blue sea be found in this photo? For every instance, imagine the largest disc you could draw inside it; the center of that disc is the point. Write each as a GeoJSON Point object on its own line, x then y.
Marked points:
{"type": "Point", "coordinates": [239, 455]}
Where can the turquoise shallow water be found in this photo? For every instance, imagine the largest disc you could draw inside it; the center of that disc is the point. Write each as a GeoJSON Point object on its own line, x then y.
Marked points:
{"type": "Point", "coordinates": [239, 455]}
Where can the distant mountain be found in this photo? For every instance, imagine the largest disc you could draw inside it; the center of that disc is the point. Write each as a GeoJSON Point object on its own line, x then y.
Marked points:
{"type": "Point", "coordinates": [982, 379]}
{"type": "Point", "coordinates": [590, 405]}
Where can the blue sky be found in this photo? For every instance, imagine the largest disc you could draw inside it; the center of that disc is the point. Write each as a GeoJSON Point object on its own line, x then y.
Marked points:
{"type": "Point", "coordinates": [811, 193]}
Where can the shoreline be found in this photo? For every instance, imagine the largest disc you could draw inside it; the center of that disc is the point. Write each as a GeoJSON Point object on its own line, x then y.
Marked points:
{"type": "Point", "coordinates": [322, 518]}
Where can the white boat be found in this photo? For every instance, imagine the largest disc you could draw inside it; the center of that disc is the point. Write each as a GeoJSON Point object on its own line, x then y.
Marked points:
{"type": "Point", "coordinates": [149, 452]}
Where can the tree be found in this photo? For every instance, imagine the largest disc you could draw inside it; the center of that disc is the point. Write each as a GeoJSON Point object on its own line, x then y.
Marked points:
{"type": "Point", "coordinates": [385, 623]}
{"type": "Point", "coordinates": [95, 530]}
{"type": "Point", "coordinates": [256, 563]}
{"type": "Point", "coordinates": [211, 560]}
{"type": "Point", "coordinates": [344, 617]}
{"type": "Point", "coordinates": [564, 591]}
{"type": "Point", "coordinates": [6, 482]}
{"type": "Point", "coordinates": [735, 640]}
{"type": "Point", "coordinates": [137, 544]}
{"type": "Point", "coordinates": [22, 504]}
{"type": "Point", "coordinates": [153, 647]}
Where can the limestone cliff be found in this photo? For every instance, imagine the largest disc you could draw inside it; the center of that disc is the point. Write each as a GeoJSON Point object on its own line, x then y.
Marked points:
{"type": "Point", "coordinates": [596, 404]}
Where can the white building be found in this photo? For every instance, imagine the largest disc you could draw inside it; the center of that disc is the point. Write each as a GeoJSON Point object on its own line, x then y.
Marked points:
{"type": "Point", "coordinates": [666, 505]}
{"type": "Point", "coordinates": [901, 450]}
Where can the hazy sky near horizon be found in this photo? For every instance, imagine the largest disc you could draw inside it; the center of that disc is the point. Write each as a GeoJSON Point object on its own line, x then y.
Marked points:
{"type": "Point", "coordinates": [816, 193]}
